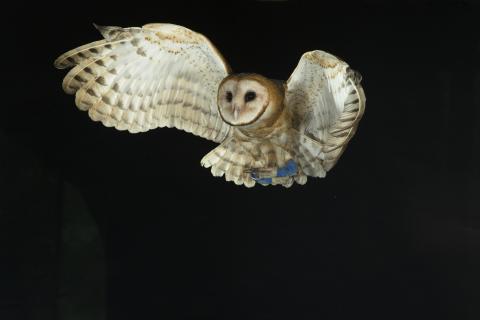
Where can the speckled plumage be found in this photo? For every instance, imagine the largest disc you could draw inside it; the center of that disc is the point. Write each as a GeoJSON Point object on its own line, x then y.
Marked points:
{"type": "Point", "coordinates": [163, 75]}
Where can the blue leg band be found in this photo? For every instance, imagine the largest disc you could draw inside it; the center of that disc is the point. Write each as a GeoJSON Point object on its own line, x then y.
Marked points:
{"type": "Point", "coordinates": [289, 169]}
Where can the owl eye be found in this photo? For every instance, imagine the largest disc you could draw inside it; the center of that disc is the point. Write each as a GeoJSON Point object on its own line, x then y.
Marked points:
{"type": "Point", "coordinates": [250, 95]}
{"type": "Point", "coordinates": [229, 96]}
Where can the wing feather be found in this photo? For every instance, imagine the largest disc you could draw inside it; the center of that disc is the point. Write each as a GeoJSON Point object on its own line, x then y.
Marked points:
{"type": "Point", "coordinates": [137, 79]}
{"type": "Point", "coordinates": [327, 101]}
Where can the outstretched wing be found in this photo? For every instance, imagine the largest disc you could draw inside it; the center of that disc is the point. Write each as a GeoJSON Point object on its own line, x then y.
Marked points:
{"type": "Point", "coordinates": [328, 102]}
{"type": "Point", "coordinates": [137, 79]}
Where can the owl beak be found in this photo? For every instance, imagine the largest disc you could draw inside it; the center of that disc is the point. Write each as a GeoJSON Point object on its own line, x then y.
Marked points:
{"type": "Point", "coordinates": [236, 111]}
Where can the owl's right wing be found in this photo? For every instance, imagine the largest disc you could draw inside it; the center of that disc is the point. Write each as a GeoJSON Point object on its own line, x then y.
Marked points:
{"type": "Point", "coordinates": [327, 101]}
{"type": "Point", "coordinates": [137, 79]}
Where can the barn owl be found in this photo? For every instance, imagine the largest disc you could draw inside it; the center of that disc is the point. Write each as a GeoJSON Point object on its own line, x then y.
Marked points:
{"type": "Point", "coordinates": [269, 132]}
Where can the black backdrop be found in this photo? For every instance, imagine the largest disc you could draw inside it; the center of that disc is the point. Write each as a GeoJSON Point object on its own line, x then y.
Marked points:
{"type": "Point", "coordinates": [391, 233]}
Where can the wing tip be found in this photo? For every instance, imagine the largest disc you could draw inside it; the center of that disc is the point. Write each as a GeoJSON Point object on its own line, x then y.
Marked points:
{"type": "Point", "coordinates": [108, 32]}
{"type": "Point", "coordinates": [100, 28]}
{"type": "Point", "coordinates": [354, 75]}
{"type": "Point", "coordinates": [57, 64]}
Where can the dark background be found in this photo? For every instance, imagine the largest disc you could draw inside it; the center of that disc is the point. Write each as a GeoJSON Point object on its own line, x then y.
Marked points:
{"type": "Point", "coordinates": [96, 222]}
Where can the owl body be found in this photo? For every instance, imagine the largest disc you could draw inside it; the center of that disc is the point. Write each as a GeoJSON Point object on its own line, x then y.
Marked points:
{"type": "Point", "coordinates": [257, 146]}
{"type": "Point", "coordinates": [269, 132]}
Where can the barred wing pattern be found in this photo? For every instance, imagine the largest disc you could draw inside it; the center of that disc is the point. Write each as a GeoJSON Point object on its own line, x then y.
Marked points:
{"type": "Point", "coordinates": [327, 101]}
{"type": "Point", "coordinates": [137, 79]}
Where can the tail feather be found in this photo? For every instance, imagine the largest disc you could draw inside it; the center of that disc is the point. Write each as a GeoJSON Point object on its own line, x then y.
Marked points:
{"type": "Point", "coordinates": [238, 160]}
{"type": "Point", "coordinates": [230, 161]}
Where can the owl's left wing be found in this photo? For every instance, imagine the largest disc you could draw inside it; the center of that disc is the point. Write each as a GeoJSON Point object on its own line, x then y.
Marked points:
{"type": "Point", "coordinates": [327, 101]}
{"type": "Point", "coordinates": [137, 79]}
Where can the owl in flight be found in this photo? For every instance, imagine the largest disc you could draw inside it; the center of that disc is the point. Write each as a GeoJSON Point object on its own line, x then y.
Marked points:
{"type": "Point", "coordinates": [270, 132]}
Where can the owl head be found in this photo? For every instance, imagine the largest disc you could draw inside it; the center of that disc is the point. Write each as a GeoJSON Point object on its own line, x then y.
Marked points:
{"type": "Point", "coordinates": [249, 100]}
